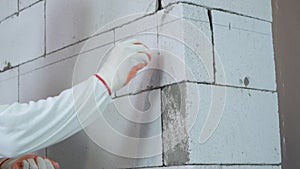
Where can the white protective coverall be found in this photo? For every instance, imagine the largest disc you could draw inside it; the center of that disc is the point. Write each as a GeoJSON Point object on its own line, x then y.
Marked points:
{"type": "Point", "coordinates": [27, 127]}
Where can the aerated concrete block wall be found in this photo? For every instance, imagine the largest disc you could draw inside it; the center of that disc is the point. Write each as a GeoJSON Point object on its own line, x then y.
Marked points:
{"type": "Point", "coordinates": [209, 93]}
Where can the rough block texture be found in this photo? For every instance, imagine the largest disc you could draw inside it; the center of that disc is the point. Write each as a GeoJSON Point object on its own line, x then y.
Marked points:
{"type": "Point", "coordinates": [245, 49]}
{"type": "Point", "coordinates": [261, 9]}
{"type": "Point", "coordinates": [235, 141]}
{"type": "Point", "coordinates": [189, 44]}
{"type": "Point", "coordinates": [248, 131]}
{"type": "Point", "coordinates": [175, 132]}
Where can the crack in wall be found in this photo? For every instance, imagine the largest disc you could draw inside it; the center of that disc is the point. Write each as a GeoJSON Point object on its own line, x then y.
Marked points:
{"type": "Point", "coordinates": [113, 29]}
{"type": "Point", "coordinates": [18, 8]}
{"type": "Point", "coordinates": [194, 82]}
{"type": "Point", "coordinates": [236, 87]}
{"type": "Point", "coordinates": [158, 5]}
{"type": "Point", "coordinates": [212, 42]}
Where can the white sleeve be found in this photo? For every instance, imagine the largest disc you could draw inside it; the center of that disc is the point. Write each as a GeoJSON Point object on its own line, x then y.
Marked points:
{"type": "Point", "coordinates": [28, 127]}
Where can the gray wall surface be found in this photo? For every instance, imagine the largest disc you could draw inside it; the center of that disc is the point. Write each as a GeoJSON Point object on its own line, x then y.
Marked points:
{"type": "Point", "coordinates": [286, 26]}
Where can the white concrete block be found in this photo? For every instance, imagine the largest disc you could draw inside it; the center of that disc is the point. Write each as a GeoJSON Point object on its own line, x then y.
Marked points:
{"type": "Point", "coordinates": [247, 131]}
{"type": "Point", "coordinates": [22, 37]}
{"type": "Point", "coordinates": [26, 3]}
{"type": "Point", "coordinates": [9, 7]}
{"type": "Point", "coordinates": [198, 17]}
{"type": "Point", "coordinates": [146, 25]}
{"type": "Point", "coordinates": [254, 8]}
{"type": "Point", "coordinates": [221, 167]}
{"type": "Point", "coordinates": [245, 49]}
{"type": "Point", "coordinates": [9, 74]}
{"type": "Point", "coordinates": [98, 41]}
{"type": "Point", "coordinates": [190, 42]}
{"type": "Point", "coordinates": [171, 58]}
{"type": "Point", "coordinates": [70, 22]}
{"type": "Point", "coordinates": [199, 49]}
{"type": "Point", "coordinates": [51, 59]}
{"type": "Point", "coordinates": [174, 61]}
{"type": "Point", "coordinates": [167, 64]}
{"type": "Point", "coordinates": [138, 119]}
{"type": "Point", "coordinates": [9, 86]}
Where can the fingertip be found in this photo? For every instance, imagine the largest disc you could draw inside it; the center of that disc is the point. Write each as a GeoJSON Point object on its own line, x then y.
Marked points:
{"type": "Point", "coordinates": [51, 164]}
{"type": "Point", "coordinates": [32, 163]}
{"type": "Point", "coordinates": [147, 54]}
{"type": "Point", "coordinates": [141, 66]}
{"type": "Point", "coordinates": [25, 164]}
{"type": "Point", "coordinates": [137, 43]}
{"type": "Point", "coordinates": [41, 163]}
{"type": "Point", "coordinates": [18, 165]}
{"type": "Point", "coordinates": [134, 71]}
{"type": "Point", "coordinates": [55, 164]}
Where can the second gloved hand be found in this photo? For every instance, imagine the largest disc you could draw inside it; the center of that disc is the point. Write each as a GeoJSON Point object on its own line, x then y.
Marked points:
{"type": "Point", "coordinates": [29, 162]}
{"type": "Point", "coordinates": [123, 62]}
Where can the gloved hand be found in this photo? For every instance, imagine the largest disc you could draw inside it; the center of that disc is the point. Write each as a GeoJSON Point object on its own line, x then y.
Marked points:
{"type": "Point", "coordinates": [124, 61]}
{"type": "Point", "coordinates": [29, 162]}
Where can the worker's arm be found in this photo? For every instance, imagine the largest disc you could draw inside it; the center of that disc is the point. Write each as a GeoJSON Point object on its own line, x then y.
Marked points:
{"type": "Point", "coordinates": [28, 127]}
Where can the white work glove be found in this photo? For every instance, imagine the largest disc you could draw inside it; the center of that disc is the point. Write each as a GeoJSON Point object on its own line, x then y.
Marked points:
{"type": "Point", "coordinates": [29, 162]}
{"type": "Point", "coordinates": [124, 61]}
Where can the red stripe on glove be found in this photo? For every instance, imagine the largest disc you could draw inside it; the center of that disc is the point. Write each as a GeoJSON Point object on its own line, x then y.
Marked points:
{"type": "Point", "coordinates": [105, 84]}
